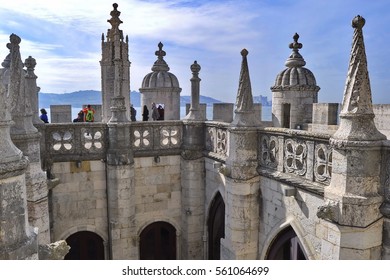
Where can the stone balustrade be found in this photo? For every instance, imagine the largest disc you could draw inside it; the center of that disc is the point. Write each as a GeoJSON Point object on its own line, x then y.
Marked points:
{"type": "Point", "coordinates": [301, 158]}
{"type": "Point", "coordinates": [298, 157]}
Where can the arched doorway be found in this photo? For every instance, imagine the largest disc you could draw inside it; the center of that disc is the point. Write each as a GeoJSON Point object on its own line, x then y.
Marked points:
{"type": "Point", "coordinates": [216, 227]}
{"type": "Point", "coordinates": [158, 242]}
{"type": "Point", "coordinates": [286, 246]}
{"type": "Point", "coordinates": [85, 245]}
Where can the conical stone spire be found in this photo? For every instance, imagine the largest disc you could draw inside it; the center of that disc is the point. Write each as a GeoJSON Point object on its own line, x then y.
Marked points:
{"type": "Point", "coordinates": [245, 113]}
{"type": "Point", "coordinates": [357, 116]}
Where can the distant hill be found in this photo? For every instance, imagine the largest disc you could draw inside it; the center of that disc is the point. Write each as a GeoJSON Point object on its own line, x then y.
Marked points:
{"type": "Point", "coordinates": [79, 98]}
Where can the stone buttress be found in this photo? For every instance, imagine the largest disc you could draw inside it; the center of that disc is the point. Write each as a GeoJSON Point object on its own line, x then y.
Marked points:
{"type": "Point", "coordinates": [26, 137]}
{"type": "Point", "coordinates": [242, 179]}
{"type": "Point", "coordinates": [351, 221]}
{"type": "Point", "coordinates": [120, 161]}
{"type": "Point", "coordinates": [193, 176]}
{"type": "Point", "coordinates": [18, 240]}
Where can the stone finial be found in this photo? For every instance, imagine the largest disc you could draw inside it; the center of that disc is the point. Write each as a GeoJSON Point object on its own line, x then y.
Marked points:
{"type": "Point", "coordinates": [160, 64]}
{"type": "Point", "coordinates": [195, 68]}
{"type": "Point", "coordinates": [356, 116]}
{"type": "Point", "coordinates": [115, 22]}
{"type": "Point", "coordinates": [245, 114]}
{"type": "Point", "coordinates": [30, 64]}
{"type": "Point", "coordinates": [295, 59]}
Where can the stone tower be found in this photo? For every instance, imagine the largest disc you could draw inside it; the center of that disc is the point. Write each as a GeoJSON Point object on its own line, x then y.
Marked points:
{"type": "Point", "coordinates": [294, 92]}
{"type": "Point", "coordinates": [115, 67]}
{"type": "Point", "coordinates": [161, 87]}
{"type": "Point", "coordinates": [351, 214]}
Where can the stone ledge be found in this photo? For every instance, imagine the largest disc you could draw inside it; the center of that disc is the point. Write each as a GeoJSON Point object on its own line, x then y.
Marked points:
{"type": "Point", "coordinates": [300, 183]}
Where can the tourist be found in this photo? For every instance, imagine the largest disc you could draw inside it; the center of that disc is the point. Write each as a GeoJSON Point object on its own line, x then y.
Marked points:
{"type": "Point", "coordinates": [160, 112]}
{"type": "Point", "coordinates": [80, 117]}
{"type": "Point", "coordinates": [145, 114]}
{"type": "Point", "coordinates": [155, 114]}
{"type": "Point", "coordinates": [89, 114]}
{"type": "Point", "coordinates": [133, 113]}
{"type": "Point", "coordinates": [43, 116]}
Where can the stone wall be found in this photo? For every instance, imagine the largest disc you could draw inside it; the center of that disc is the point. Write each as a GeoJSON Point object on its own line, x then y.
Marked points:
{"type": "Point", "coordinates": [382, 116]}
{"type": "Point", "coordinates": [157, 193]}
{"type": "Point", "coordinates": [79, 201]}
{"type": "Point", "coordinates": [281, 208]}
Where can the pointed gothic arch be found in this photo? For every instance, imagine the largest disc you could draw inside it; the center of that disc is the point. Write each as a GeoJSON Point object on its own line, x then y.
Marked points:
{"type": "Point", "coordinates": [85, 245]}
{"type": "Point", "coordinates": [158, 242]}
{"type": "Point", "coordinates": [216, 227]}
{"type": "Point", "coordinates": [286, 246]}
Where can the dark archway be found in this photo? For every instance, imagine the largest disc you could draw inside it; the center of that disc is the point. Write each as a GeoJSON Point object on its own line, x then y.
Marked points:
{"type": "Point", "coordinates": [85, 245]}
{"type": "Point", "coordinates": [158, 242]}
{"type": "Point", "coordinates": [216, 227]}
{"type": "Point", "coordinates": [286, 246]}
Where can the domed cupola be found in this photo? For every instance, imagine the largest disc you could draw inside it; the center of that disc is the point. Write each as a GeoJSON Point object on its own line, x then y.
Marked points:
{"type": "Point", "coordinates": [161, 87]}
{"type": "Point", "coordinates": [160, 77]}
{"type": "Point", "coordinates": [294, 92]}
{"type": "Point", "coordinates": [295, 75]}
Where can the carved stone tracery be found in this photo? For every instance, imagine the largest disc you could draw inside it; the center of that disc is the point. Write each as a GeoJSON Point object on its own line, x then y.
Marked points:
{"type": "Point", "coordinates": [295, 152]}
{"type": "Point", "coordinates": [269, 151]}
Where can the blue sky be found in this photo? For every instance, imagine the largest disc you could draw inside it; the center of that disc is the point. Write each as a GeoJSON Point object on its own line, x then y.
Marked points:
{"type": "Point", "coordinates": [65, 39]}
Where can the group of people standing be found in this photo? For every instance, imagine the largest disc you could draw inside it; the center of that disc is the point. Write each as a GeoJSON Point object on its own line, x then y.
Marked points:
{"type": "Point", "coordinates": [87, 114]}
{"type": "Point", "coordinates": [157, 113]}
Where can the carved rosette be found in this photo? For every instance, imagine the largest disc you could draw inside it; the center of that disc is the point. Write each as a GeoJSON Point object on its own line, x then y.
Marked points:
{"type": "Point", "coordinates": [295, 152]}
{"type": "Point", "coordinates": [323, 163]}
{"type": "Point", "coordinates": [142, 138]}
{"type": "Point", "coordinates": [62, 141]}
{"type": "Point", "coordinates": [170, 137]}
{"type": "Point", "coordinates": [269, 151]}
{"type": "Point", "coordinates": [92, 139]}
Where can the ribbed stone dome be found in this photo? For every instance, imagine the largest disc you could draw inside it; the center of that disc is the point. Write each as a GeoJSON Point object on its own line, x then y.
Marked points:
{"type": "Point", "coordinates": [160, 77]}
{"type": "Point", "coordinates": [295, 75]}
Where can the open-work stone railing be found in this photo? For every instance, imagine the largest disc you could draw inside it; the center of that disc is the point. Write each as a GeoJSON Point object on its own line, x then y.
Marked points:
{"type": "Point", "coordinates": [73, 141]}
{"type": "Point", "coordinates": [156, 138]}
{"type": "Point", "coordinates": [298, 157]}
{"type": "Point", "coordinates": [89, 141]}
{"type": "Point", "coordinates": [217, 140]}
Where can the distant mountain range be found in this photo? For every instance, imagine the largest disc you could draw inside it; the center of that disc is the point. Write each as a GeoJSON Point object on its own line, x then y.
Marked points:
{"type": "Point", "coordinates": [82, 97]}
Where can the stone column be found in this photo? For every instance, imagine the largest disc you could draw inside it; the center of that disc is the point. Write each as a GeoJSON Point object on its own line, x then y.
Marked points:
{"type": "Point", "coordinates": [195, 112]}
{"type": "Point", "coordinates": [193, 177]}
{"type": "Point", "coordinates": [18, 240]}
{"type": "Point", "coordinates": [352, 222]}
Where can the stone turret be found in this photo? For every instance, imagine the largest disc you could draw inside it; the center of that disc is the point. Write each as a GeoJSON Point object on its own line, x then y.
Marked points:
{"type": "Point", "coordinates": [161, 87]}
{"type": "Point", "coordinates": [352, 200]}
{"type": "Point", "coordinates": [294, 92]}
{"type": "Point", "coordinates": [115, 68]}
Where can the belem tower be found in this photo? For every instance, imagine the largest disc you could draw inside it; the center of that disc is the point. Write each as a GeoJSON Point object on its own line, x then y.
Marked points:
{"type": "Point", "coordinates": [312, 184]}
